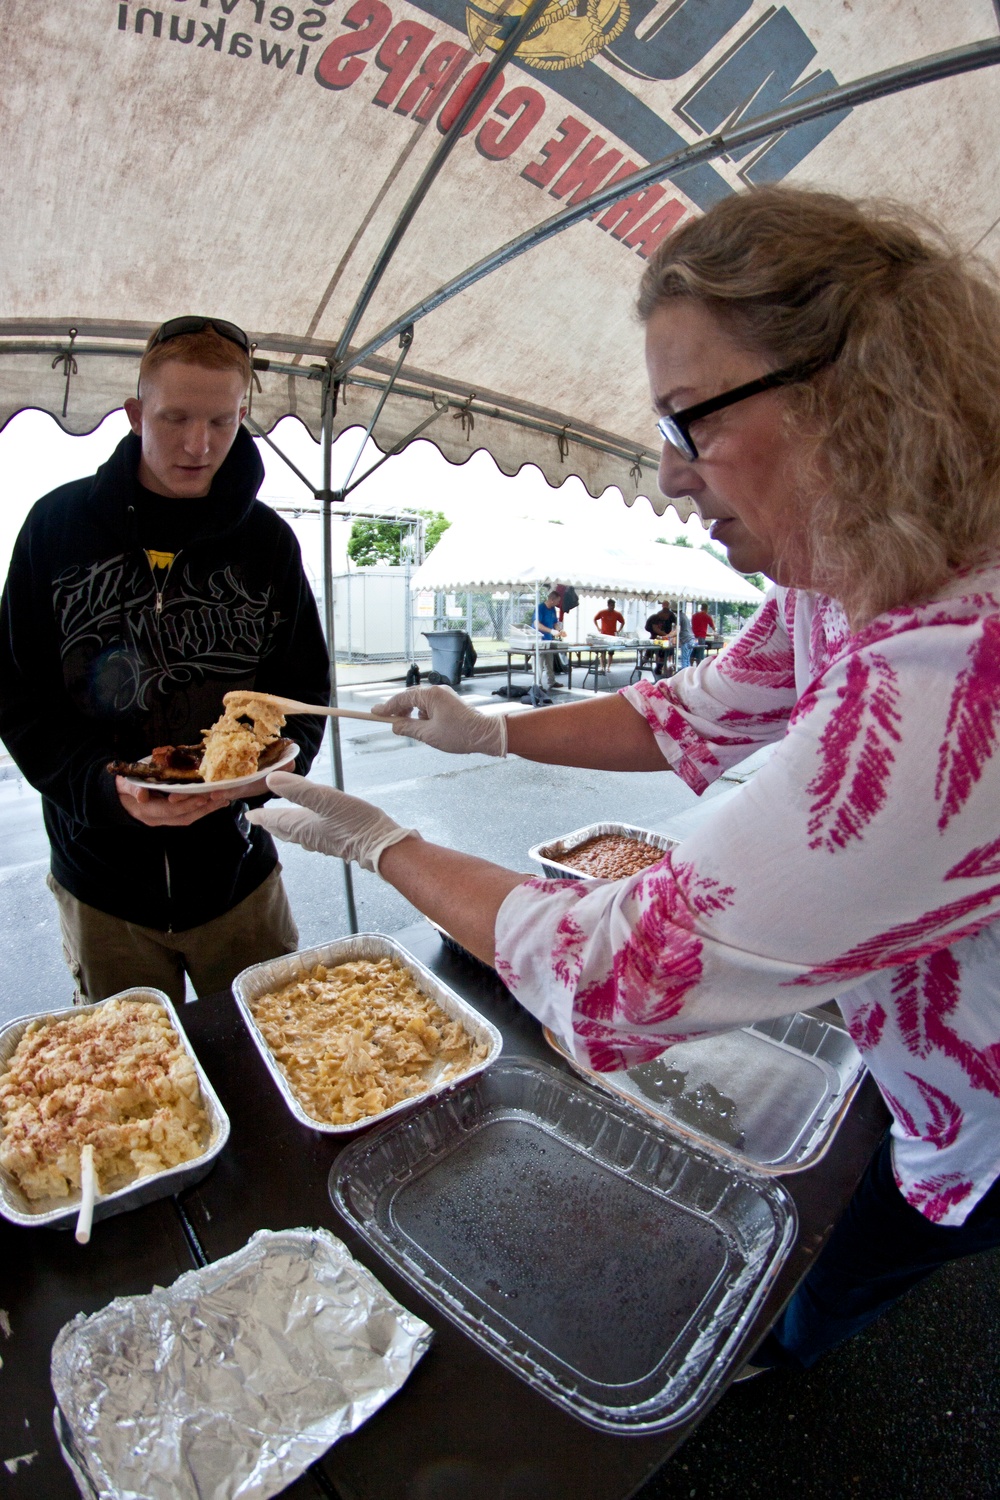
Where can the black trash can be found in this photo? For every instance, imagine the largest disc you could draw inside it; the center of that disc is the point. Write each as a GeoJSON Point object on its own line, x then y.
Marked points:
{"type": "Point", "coordinates": [447, 651]}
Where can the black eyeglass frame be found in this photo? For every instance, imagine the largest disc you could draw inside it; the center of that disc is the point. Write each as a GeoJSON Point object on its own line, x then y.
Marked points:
{"type": "Point", "coordinates": [175, 328]}
{"type": "Point", "coordinates": [674, 427]}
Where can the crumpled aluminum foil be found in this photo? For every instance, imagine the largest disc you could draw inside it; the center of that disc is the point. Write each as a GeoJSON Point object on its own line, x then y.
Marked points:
{"type": "Point", "coordinates": [229, 1383]}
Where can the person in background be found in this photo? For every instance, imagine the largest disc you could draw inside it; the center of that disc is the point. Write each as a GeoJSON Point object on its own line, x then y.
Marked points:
{"type": "Point", "coordinates": [546, 621]}
{"type": "Point", "coordinates": [702, 624]}
{"type": "Point", "coordinates": [136, 598]}
{"type": "Point", "coordinates": [685, 638]}
{"type": "Point", "coordinates": [662, 627]}
{"type": "Point", "coordinates": [608, 622]}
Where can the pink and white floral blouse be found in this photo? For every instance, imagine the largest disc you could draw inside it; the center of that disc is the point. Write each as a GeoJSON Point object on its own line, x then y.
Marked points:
{"type": "Point", "coordinates": [861, 862]}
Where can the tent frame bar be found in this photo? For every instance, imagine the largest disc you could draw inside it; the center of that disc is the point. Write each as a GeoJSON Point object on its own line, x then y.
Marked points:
{"type": "Point", "coordinates": [405, 342]}
{"type": "Point", "coordinates": [642, 456]}
{"type": "Point", "coordinates": [396, 449]}
{"type": "Point", "coordinates": [879, 85]}
{"type": "Point", "coordinates": [252, 423]}
{"type": "Point", "coordinates": [326, 496]}
{"type": "Point", "coordinates": [515, 35]}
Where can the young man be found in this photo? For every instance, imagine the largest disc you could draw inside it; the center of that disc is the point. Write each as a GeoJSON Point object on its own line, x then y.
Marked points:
{"type": "Point", "coordinates": [685, 638]}
{"type": "Point", "coordinates": [608, 622]}
{"type": "Point", "coordinates": [136, 598]}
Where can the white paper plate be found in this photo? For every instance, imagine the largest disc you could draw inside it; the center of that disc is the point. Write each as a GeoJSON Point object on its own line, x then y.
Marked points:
{"type": "Point", "coordinates": [196, 788]}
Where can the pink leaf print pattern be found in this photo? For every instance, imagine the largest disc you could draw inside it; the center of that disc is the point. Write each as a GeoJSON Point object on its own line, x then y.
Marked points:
{"type": "Point", "coordinates": [936, 1196]}
{"type": "Point", "coordinates": [973, 720]}
{"type": "Point", "coordinates": [661, 960]}
{"type": "Point", "coordinates": [567, 952]}
{"type": "Point", "coordinates": [926, 991]}
{"type": "Point", "coordinates": [762, 655]}
{"type": "Point", "coordinates": [867, 1026]}
{"type": "Point", "coordinates": [828, 635]}
{"type": "Point", "coordinates": [852, 783]}
{"type": "Point", "coordinates": [945, 1115]}
{"type": "Point", "coordinates": [901, 1114]}
{"type": "Point", "coordinates": [907, 942]}
{"type": "Point", "coordinates": [978, 863]}
{"type": "Point", "coordinates": [509, 975]}
{"type": "Point", "coordinates": [661, 712]}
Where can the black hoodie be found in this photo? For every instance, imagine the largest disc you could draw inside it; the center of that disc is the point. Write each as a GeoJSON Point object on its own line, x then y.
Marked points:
{"type": "Point", "coordinates": [100, 660]}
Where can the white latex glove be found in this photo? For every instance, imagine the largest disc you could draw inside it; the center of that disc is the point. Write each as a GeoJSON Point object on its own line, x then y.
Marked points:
{"type": "Point", "coordinates": [445, 722]}
{"type": "Point", "coordinates": [328, 821]}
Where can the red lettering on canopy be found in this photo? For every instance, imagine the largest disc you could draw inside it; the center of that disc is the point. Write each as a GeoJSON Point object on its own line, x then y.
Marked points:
{"type": "Point", "coordinates": [438, 71]}
{"type": "Point", "coordinates": [340, 65]}
{"type": "Point", "coordinates": [524, 108]}
{"type": "Point", "coordinates": [654, 230]}
{"type": "Point", "coordinates": [399, 55]}
{"type": "Point", "coordinates": [628, 213]}
{"type": "Point", "coordinates": [586, 172]}
{"type": "Point", "coordinates": [450, 112]}
{"type": "Point", "coordinates": [556, 153]}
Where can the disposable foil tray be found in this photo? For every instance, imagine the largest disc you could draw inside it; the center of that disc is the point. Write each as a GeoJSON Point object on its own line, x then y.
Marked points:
{"type": "Point", "coordinates": [612, 1267]}
{"type": "Point", "coordinates": [262, 978]}
{"type": "Point", "coordinates": [770, 1095]}
{"type": "Point", "coordinates": [21, 1210]}
{"type": "Point", "coordinates": [228, 1384]}
{"type": "Point", "coordinates": [549, 854]}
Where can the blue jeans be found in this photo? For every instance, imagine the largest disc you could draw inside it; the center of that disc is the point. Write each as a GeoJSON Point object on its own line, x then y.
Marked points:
{"type": "Point", "coordinates": [686, 648]}
{"type": "Point", "coordinates": [879, 1249]}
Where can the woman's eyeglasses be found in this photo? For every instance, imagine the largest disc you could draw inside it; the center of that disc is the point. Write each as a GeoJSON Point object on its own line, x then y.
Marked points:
{"type": "Point", "coordinates": [675, 428]}
{"type": "Point", "coordinates": [174, 328]}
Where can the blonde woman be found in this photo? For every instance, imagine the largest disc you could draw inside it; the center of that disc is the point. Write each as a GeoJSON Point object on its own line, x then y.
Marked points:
{"type": "Point", "coordinates": [827, 381]}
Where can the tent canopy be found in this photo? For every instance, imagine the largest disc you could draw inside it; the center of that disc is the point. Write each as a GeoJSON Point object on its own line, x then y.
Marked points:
{"type": "Point", "coordinates": [523, 554]}
{"type": "Point", "coordinates": [281, 165]}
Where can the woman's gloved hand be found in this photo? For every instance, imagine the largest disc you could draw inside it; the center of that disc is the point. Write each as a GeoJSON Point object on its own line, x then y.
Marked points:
{"type": "Point", "coordinates": [445, 722]}
{"type": "Point", "coordinates": [328, 821]}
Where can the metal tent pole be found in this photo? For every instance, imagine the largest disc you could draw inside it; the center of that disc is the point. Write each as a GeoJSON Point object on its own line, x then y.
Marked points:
{"type": "Point", "coordinates": [326, 496]}
{"type": "Point", "coordinates": [538, 660]}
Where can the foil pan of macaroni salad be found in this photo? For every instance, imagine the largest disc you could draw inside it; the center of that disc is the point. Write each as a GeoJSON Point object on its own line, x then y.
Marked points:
{"type": "Point", "coordinates": [265, 980]}
{"type": "Point", "coordinates": [228, 1384]}
{"type": "Point", "coordinates": [147, 1185]}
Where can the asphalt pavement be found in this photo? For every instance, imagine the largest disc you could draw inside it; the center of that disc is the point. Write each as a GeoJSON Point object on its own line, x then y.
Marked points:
{"type": "Point", "coordinates": [909, 1410]}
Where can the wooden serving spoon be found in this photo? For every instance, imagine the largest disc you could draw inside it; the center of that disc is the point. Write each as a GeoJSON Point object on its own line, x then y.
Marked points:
{"type": "Point", "coordinates": [240, 698]}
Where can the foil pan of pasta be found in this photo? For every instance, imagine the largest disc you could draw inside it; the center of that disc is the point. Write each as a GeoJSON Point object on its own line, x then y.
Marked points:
{"type": "Point", "coordinates": [119, 1076]}
{"type": "Point", "coordinates": [609, 851]}
{"type": "Point", "coordinates": [357, 1029]}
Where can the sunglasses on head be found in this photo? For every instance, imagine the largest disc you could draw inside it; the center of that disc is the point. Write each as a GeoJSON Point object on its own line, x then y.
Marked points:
{"type": "Point", "coordinates": [174, 328]}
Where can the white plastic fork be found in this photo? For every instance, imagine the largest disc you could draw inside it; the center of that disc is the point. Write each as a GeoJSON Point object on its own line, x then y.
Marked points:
{"type": "Point", "coordinates": [239, 698]}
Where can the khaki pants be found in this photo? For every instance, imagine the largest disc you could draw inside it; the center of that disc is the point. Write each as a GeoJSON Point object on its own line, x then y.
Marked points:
{"type": "Point", "coordinates": [106, 954]}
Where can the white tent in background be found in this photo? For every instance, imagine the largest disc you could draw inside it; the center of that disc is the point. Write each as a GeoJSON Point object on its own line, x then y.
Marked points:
{"type": "Point", "coordinates": [530, 554]}
{"type": "Point", "coordinates": [526, 554]}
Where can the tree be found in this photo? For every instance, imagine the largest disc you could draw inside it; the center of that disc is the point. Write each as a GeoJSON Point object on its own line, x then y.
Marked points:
{"type": "Point", "coordinates": [677, 541]}
{"type": "Point", "coordinates": [378, 542]}
{"type": "Point", "coordinates": [437, 525]}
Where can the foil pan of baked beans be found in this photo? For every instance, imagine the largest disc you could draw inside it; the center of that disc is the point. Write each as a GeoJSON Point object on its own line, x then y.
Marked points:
{"type": "Point", "coordinates": [19, 1209]}
{"type": "Point", "coordinates": [232, 1381]}
{"type": "Point", "coordinates": [290, 968]}
{"type": "Point", "coordinates": [551, 855]}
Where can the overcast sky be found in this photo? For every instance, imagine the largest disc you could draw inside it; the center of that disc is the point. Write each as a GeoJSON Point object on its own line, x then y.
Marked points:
{"type": "Point", "coordinates": [36, 456]}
